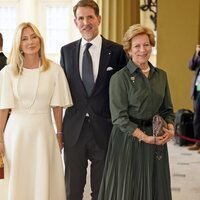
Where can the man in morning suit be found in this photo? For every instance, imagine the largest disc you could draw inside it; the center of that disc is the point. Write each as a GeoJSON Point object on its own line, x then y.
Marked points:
{"type": "Point", "coordinates": [87, 125]}
{"type": "Point", "coordinates": [3, 58]}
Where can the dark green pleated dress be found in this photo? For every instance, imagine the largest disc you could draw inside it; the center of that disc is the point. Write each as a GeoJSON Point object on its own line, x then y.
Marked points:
{"type": "Point", "coordinates": [132, 169]}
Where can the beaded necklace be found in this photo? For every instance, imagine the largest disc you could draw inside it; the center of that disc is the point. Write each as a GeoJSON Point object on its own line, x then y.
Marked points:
{"type": "Point", "coordinates": [28, 106]}
{"type": "Point", "coordinates": [146, 70]}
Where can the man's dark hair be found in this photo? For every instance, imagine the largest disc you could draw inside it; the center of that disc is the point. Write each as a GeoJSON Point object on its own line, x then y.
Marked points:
{"type": "Point", "coordinates": [1, 41]}
{"type": "Point", "coordinates": [87, 3]}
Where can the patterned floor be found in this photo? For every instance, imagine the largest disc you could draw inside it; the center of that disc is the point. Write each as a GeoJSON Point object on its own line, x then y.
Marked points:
{"type": "Point", "coordinates": [185, 173]}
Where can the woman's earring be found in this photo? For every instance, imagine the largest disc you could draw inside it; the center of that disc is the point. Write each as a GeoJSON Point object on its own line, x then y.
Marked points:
{"type": "Point", "coordinates": [20, 70]}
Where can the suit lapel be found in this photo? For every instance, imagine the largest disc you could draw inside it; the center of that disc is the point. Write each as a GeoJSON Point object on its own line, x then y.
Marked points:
{"type": "Point", "coordinates": [103, 64]}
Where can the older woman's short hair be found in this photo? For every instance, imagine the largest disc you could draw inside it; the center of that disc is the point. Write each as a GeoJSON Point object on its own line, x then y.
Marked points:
{"type": "Point", "coordinates": [135, 30]}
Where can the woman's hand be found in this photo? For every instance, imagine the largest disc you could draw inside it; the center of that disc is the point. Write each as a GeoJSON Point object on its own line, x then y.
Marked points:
{"type": "Point", "coordinates": [149, 139]}
{"type": "Point", "coordinates": [57, 112]}
{"type": "Point", "coordinates": [3, 120]}
{"type": "Point", "coordinates": [142, 136]}
{"type": "Point", "coordinates": [169, 134]}
{"type": "Point", "coordinates": [2, 147]}
{"type": "Point", "coordinates": [159, 140]}
{"type": "Point", "coordinates": [60, 140]}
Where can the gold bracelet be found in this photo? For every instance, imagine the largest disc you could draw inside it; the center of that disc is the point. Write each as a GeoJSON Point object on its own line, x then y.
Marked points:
{"type": "Point", "coordinates": [59, 132]}
{"type": "Point", "coordinates": [154, 139]}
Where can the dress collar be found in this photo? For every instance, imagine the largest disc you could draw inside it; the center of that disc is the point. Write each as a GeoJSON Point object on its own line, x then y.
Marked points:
{"type": "Point", "coordinates": [132, 67]}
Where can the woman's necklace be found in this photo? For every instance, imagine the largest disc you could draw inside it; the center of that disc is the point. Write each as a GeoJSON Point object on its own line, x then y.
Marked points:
{"type": "Point", "coordinates": [29, 105]}
{"type": "Point", "coordinates": [146, 70]}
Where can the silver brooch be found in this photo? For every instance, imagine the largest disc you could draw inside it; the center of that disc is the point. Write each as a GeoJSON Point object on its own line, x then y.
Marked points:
{"type": "Point", "coordinates": [133, 78]}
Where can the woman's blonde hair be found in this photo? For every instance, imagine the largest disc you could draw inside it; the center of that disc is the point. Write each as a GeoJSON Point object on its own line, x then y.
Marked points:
{"type": "Point", "coordinates": [16, 57]}
{"type": "Point", "coordinates": [135, 30]}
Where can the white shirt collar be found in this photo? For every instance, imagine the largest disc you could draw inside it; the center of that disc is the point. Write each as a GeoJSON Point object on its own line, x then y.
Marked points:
{"type": "Point", "coordinates": [96, 41]}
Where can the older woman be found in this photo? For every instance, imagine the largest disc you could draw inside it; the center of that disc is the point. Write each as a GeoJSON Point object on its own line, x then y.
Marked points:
{"type": "Point", "coordinates": [30, 87]}
{"type": "Point", "coordinates": [133, 169]}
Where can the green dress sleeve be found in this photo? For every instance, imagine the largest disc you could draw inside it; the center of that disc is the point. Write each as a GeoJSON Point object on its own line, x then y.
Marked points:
{"type": "Point", "coordinates": [119, 104]}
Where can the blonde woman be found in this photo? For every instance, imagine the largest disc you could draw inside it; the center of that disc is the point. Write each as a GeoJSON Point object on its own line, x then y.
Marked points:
{"type": "Point", "coordinates": [30, 86]}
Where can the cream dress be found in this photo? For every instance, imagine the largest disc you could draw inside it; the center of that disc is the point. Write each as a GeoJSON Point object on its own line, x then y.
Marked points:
{"type": "Point", "coordinates": [33, 164]}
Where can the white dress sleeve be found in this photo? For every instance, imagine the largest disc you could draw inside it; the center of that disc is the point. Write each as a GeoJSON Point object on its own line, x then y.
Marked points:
{"type": "Point", "coordinates": [61, 95]}
{"type": "Point", "coordinates": [6, 89]}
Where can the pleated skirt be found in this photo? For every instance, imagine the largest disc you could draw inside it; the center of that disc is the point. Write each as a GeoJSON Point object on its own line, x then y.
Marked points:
{"type": "Point", "coordinates": [133, 170]}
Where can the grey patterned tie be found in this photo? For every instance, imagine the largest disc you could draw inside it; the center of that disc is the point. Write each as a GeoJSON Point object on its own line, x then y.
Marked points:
{"type": "Point", "coordinates": [87, 70]}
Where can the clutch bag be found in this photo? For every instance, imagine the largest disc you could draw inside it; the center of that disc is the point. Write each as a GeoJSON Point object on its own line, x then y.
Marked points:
{"type": "Point", "coordinates": [158, 124]}
{"type": "Point", "coordinates": [1, 167]}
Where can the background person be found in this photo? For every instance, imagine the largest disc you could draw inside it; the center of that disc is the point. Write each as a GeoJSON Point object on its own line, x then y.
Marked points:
{"type": "Point", "coordinates": [87, 124]}
{"type": "Point", "coordinates": [3, 58]}
{"type": "Point", "coordinates": [194, 65]}
{"type": "Point", "coordinates": [30, 86]}
{"type": "Point", "coordinates": [139, 91]}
